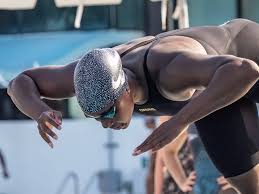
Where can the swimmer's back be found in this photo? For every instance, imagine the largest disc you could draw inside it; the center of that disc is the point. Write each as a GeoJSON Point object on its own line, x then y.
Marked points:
{"type": "Point", "coordinates": [239, 37]}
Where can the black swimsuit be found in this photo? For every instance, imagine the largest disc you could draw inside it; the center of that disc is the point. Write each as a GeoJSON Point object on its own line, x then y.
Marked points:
{"type": "Point", "coordinates": [157, 104]}
{"type": "Point", "coordinates": [231, 143]}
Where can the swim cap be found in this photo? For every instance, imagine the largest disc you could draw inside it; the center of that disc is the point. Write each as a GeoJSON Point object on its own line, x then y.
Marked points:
{"type": "Point", "coordinates": [99, 79]}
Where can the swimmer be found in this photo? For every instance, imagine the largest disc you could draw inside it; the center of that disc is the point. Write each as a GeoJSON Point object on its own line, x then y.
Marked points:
{"type": "Point", "coordinates": [207, 75]}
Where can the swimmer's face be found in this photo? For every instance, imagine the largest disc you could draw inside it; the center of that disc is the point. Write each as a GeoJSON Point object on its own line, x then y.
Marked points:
{"type": "Point", "coordinates": [123, 107]}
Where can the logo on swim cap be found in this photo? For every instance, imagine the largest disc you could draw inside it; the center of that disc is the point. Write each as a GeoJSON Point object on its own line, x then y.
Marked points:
{"type": "Point", "coordinates": [120, 80]}
{"type": "Point", "coordinates": [99, 79]}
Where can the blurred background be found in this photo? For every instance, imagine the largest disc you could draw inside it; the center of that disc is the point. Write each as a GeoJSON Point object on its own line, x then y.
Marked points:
{"type": "Point", "coordinates": [87, 158]}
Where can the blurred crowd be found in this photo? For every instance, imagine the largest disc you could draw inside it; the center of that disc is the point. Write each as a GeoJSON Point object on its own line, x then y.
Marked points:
{"type": "Point", "coordinates": [183, 166]}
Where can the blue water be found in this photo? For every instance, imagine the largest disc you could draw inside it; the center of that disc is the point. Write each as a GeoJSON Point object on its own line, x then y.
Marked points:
{"type": "Point", "coordinates": [21, 51]}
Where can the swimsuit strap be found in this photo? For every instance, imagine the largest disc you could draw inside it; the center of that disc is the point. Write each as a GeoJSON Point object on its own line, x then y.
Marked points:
{"type": "Point", "coordinates": [136, 46]}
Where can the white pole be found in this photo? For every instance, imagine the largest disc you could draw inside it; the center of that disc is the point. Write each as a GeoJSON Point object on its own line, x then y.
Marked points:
{"type": "Point", "coordinates": [164, 13]}
{"type": "Point", "coordinates": [181, 13]}
{"type": "Point", "coordinates": [79, 15]}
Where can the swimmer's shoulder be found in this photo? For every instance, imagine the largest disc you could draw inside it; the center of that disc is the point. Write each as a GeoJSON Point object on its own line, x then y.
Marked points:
{"type": "Point", "coordinates": [133, 43]}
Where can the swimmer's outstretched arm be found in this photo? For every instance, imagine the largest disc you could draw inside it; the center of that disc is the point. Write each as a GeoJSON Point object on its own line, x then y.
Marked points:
{"type": "Point", "coordinates": [29, 87]}
{"type": "Point", "coordinates": [231, 80]}
{"type": "Point", "coordinates": [226, 78]}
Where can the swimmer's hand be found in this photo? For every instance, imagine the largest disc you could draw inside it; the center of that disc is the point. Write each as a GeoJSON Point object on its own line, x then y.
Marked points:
{"type": "Point", "coordinates": [161, 136]}
{"type": "Point", "coordinates": [188, 184]}
{"type": "Point", "coordinates": [225, 185]}
{"type": "Point", "coordinates": [110, 123]}
{"type": "Point", "coordinates": [46, 122]}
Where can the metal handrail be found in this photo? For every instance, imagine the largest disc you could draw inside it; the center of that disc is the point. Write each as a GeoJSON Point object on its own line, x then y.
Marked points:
{"type": "Point", "coordinates": [88, 185]}
{"type": "Point", "coordinates": [73, 176]}
{"type": "Point", "coordinates": [70, 176]}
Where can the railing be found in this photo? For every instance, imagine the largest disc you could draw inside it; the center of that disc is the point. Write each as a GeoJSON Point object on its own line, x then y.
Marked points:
{"type": "Point", "coordinates": [88, 185]}
{"type": "Point", "coordinates": [75, 179]}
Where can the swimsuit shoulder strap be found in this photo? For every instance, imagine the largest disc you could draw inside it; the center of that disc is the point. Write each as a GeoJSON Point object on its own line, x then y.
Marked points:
{"type": "Point", "coordinates": [151, 84]}
{"type": "Point", "coordinates": [136, 46]}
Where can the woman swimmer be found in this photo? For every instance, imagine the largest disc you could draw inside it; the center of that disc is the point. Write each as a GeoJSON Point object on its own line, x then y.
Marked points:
{"type": "Point", "coordinates": [207, 75]}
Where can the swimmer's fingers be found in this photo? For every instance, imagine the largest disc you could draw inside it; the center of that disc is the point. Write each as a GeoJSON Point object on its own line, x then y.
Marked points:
{"type": "Point", "coordinates": [142, 147]}
{"type": "Point", "coordinates": [221, 180]}
{"type": "Point", "coordinates": [161, 136]}
{"type": "Point", "coordinates": [109, 123]}
{"type": "Point", "coordinates": [191, 179]}
{"type": "Point", "coordinates": [46, 129]}
{"type": "Point", "coordinates": [223, 183]}
{"type": "Point", "coordinates": [51, 118]}
{"type": "Point", "coordinates": [125, 125]}
{"type": "Point", "coordinates": [192, 175]}
{"type": "Point", "coordinates": [106, 123]}
{"type": "Point", "coordinates": [118, 126]}
{"type": "Point", "coordinates": [185, 187]}
{"type": "Point", "coordinates": [50, 122]}
{"type": "Point", "coordinates": [188, 188]}
{"type": "Point", "coordinates": [58, 116]}
{"type": "Point", "coordinates": [151, 142]}
{"type": "Point", "coordinates": [162, 142]}
{"type": "Point", "coordinates": [190, 183]}
{"type": "Point", "coordinates": [46, 122]}
{"type": "Point", "coordinates": [55, 119]}
{"type": "Point", "coordinates": [45, 137]}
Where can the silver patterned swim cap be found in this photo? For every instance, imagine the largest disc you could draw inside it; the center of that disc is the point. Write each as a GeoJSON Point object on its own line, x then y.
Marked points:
{"type": "Point", "coordinates": [99, 79]}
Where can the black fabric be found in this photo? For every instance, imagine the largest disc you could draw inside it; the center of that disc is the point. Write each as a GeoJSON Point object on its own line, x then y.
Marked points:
{"type": "Point", "coordinates": [253, 93]}
{"type": "Point", "coordinates": [223, 133]}
{"type": "Point", "coordinates": [227, 141]}
{"type": "Point", "coordinates": [157, 105]}
{"type": "Point", "coordinates": [232, 144]}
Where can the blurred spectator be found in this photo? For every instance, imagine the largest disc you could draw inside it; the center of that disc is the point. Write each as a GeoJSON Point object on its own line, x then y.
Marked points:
{"type": "Point", "coordinates": [174, 167]}
{"type": "Point", "coordinates": [175, 164]}
{"type": "Point", "coordinates": [150, 123]}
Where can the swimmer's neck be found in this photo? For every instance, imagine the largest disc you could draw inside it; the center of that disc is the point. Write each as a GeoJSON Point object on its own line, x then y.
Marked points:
{"type": "Point", "coordinates": [137, 90]}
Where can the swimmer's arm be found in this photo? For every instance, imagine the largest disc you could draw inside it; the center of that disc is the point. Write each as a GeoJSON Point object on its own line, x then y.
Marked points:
{"type": "Point", "coordinates": [27, 89]}
{"type": "Point", "coordinates": [232, 78]}
{"type": "Point", "coordinates": [225, 78]}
